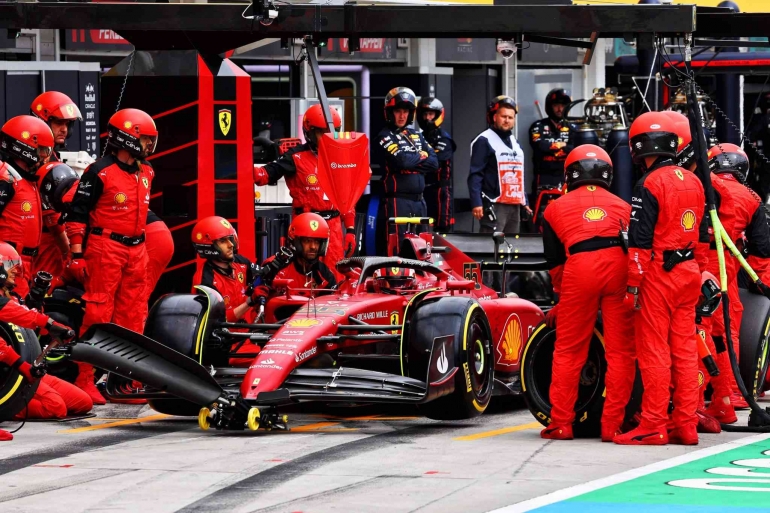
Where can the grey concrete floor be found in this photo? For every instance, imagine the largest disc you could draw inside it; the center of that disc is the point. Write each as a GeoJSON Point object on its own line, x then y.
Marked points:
{"type": "Point", "coordinates": [335, 459]}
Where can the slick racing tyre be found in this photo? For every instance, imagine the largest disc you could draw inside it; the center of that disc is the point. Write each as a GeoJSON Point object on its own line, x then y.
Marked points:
{"type": "Point", "coordinates": [755, 331]}
{"type": "Point", "coordinates": [15, 391]}
{"type": "Point", "coordinates": [536, 371]}
{"type": "Point", "coordinates": [449, 339]}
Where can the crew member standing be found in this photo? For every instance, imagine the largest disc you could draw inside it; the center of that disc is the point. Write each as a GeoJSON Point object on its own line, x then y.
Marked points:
{"type": "Point", "coordinates": [59, 112]}
{"type": "Point", "coordinates": [667, 223]}
{"type": "Point", "coordinates": [408, 157]}
{"type": "Point", "coordinates": [438, 188]}
{"type": "Point", "coordinates": [299, 167]}
{"type": "Point", "coordinates": [550, 140]}
{"type": "Point", "coordinates": [496, 178]}
{"type": "Point", "coordinates": [26, 144]}
{"type": "Point", "coordinates": [589, 271]}
{"type": "Point", "coordinates": [110, 209]}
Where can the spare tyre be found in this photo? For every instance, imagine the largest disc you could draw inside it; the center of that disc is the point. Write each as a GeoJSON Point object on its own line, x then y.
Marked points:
{"type": "Point", "coordinates": [755, 332]}
{"type": "Point", "coordinates": [536, 366]}
{"type": "Point", "coordinates": [15, 391]}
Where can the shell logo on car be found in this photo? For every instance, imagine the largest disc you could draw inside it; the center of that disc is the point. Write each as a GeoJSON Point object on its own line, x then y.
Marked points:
{"type": "Point", "coordinates": [304, 323]}
{"type": "Point", "coordinates": [510, 342]}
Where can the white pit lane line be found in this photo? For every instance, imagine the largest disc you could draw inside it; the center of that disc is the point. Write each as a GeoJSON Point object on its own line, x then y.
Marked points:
{"type": "Point", "coordinates": [574, 491]}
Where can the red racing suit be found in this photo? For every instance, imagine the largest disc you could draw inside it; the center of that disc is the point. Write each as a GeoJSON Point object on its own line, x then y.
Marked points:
{"type": "Point", "coordinates": [749, 219]}
{"type": "Point", "coordinates": [589, 272]}
{"type": "Point", "coordinates": [231, 284]}
{"type": "Point", "coordinates": [110, 207]}
{"type": "Point", "coordinates": [306, 276]}
{"type": "Point", "coordinates": [50, 257]}
{"type": "Point", "coordinates": [20, 220]}
{"type": "Point", "coordinates": [54, 398]}
{"type": "Point", "coordinates": [667, 218]}
{"type": "Point", "coordinates": [299, 167]}
{"type": "Point", "coordinates": [160, 249]}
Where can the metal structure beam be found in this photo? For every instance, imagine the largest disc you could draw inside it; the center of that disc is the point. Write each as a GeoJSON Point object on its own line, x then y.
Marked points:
{"type": "Point", "coordinates": [213, 28]}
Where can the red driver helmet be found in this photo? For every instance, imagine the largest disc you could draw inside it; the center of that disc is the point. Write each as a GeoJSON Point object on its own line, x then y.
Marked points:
{"type": "Point", "coordinates": [55, 106]}
{"type": "Point", "coordinates": [126, 128]}
{"type": "Point", "coordinates": [209, 230]}
{"type": "Point", "coordinates": [710, 295]}
{"type": "Point", "coordinates": [496, 104]}
{"type": "Point", "coordinates": [393, 279]}
{"type": "Point", "coordinates": [314, 120]}
{"type": "Point", "coordinates": [27, 139]}
{"type": "Point", "coordinates": [653, 134]}
{"type": "Point", "coordinates": [9, 259]}
{"type": "Point", "coordinates": [588, 164]}
{"type": "Point", "coordinates": [310, 226]}
{"type": "Point", "coordinates": [729, 158]}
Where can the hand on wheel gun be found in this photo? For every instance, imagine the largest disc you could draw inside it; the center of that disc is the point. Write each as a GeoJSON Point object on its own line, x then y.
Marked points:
{"type": "Point", "coordinates": [274, 265]}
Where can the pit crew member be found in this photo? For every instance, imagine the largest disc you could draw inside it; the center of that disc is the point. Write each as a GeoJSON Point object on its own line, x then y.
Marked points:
{"type": "Point", "coordinates": [496, 178]}
{"type": "Point", "coordinates": [438, 188]}
{"type": "Point", "coordinates": [299, 167]}
{"type": "Point", "coordinates": [665, 262]}
{"type": "Point", "coordinates": [589, 271]}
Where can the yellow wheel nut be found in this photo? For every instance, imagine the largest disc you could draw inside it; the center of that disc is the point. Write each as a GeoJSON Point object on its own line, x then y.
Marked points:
{"type": "Point", "coordinates": [203, 418]}
{"type": "Point", "coordinates": [252, 419]}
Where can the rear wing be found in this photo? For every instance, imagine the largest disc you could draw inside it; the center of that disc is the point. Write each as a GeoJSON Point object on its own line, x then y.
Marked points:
{"type": "Point", "coordinates": [518, 252]}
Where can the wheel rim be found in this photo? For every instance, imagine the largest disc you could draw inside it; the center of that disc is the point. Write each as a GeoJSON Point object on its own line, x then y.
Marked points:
{"type": "Point", "coordinates": [203, 419]}
{"type": "Point", "coordinates": [480, 380]}
{"type": "Point", "coordinates": [252, 420]}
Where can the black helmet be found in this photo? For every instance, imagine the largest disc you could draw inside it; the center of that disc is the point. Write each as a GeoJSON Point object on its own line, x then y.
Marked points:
{"type": "Point", "coordinates": [429, 103]}
{"type": "Point", "coordinates": [588, 164]}
{"type": "Point", "coordinates": [402, 97]}
{"type": "Point", "coordinates": [556, 96]}
{"type": "Point", "coordinates": [500, 101]}
{"type": "Point", "coordinates": [56, 180]}
{"type": "Point", "coordinates": [729, 158]}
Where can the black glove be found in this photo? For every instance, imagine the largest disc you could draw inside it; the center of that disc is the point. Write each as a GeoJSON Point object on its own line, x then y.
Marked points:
{"type": "Point", "coordinates": [274, 265]}
{"type": "Point", "coordinates": [59, 330]}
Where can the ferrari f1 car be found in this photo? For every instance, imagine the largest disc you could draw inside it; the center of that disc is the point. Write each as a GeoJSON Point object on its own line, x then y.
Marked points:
{"type": "Point", "coordinates": [415, 328]}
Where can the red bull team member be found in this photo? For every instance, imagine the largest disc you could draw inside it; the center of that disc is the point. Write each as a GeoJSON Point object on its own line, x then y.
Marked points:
{"type": "Point", "coordinates": [667, 224]}
{"type": "Point", "coordinates": [496, 178]}
{"type": "Point", "coordinates": [408, 157]}
{"type": "Point", "coordinates": [59, 112]}
{"type": "Point", "coordinates": [26, 145]}
{"type": "Point", "coordinates": [54, 398]}
{"type": "Point", "coordinates": [550, 140]}
{"type": "Point", "coordinates": [438, 188]}
{"type": "Point", "coordinates": [299, 167]}
{"type": "Point", "coordinates": [589, 272]}
{"type": "Point", "coordinates": [110, 208]}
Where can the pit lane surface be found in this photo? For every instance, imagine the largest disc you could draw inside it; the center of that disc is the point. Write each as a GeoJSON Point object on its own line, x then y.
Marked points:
{"type": "Point", "coordinates": [362, 459]}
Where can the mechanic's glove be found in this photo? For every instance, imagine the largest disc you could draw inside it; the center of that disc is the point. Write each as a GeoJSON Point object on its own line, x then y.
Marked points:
{"type": "Point", "coordinates": [76, 268]}
{"type": "Point", "coordinates": [631, 301]}
{"type": "Point", "coordinates": [260, 176]}
{"type": "Point", "coordinates": [550, 317]}
{"type": "Point", "coordinates": [57, 329]}
{"type": "Point", "coordinates": [259, 295]}
{"type": "Point", "coordinates": [350, 242]}
{"type": "Point", "coordinates": [11, 358]}
{"type": "Point", "coordinates": [30, 372]}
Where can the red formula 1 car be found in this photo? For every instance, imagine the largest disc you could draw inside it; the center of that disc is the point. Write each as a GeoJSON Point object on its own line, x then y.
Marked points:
{"type": "Point", "coordinates": [416, 328]}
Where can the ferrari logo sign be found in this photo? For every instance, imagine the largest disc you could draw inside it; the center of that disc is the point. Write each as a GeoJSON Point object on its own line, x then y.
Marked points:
{"type": "Point", "coordinates": [240, 277]}
{"type": "Point", "coordinates": [225, 223]}
{"type": "Point", "coordinates": [509, 346]}
{"type": "Point", "coordinates": [314, 225]}
{"type": "Point", "coordinates": [225, 117]}
{"type": "Point", "coordinates": [146, 183]}
{"type": "Point", "coordinates": [688, 220]}
{"type": "Point", "coordinates": [679, 174]}
{"type": "Point", "coordinates": [70, 110]}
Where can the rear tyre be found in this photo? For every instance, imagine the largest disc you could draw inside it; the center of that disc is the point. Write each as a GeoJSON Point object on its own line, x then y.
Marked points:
{"type": "Point", "coordinates": [755, 332]}
{"type": "Point", "coordinates": [15, 391]}
{"type": "Point", "coordinates": [473, 381]}
{"type": "Point", "coordinates": [536, 373]}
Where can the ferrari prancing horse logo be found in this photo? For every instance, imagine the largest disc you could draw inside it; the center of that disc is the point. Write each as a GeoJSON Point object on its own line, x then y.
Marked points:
{"type": "Point", "coordinates": [225, 120]}
{"type": "Point", "coordinates": [314, 225]}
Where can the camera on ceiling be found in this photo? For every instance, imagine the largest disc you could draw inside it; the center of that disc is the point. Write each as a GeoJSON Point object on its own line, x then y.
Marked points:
{"type": "Point", "coordinates": [506, 48]}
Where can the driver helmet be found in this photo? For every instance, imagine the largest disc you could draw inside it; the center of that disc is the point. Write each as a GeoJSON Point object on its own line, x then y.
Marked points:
{"type": "Point", "coordinates": [314, 120]}
{"type": "Point", "coordinates": [394, 278]}
{"type": "Point", "coordinates": [729, 158]}
{"type": "Point", "coordinates": [311, 226]}
{"type": "Point", "coordinates": [55, 106]}
{"type": "Point", "coordinates": [556, 96]}
{"type": "Point", "coordinates": [29, 140]}
{"type": "Point", "coordinates": [496, 104]}
{"type": "Point", "coordinates": [430, 104]}
{"type": "Point", "coordinates": [9, 259]}
{"type": "Point", "coordinates": [588, 164]}
{"type": "Point", "coordinates": [710, 295]}
{"type": "Point", "coordinates": [126, 128]}
{"type": "Point", "coordinates": [400, 97]}
{"type": "Point", "coordinates": [209, 230]}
